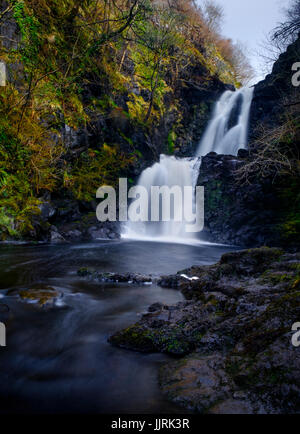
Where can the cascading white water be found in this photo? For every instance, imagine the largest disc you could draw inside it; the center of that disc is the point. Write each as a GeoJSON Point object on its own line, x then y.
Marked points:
{"type": "Point", "coordinates": [225, 134]}
{"type": "Point", "coordinates": [170, 171]}
{"type": "Point", "coordinates": [228, 128]}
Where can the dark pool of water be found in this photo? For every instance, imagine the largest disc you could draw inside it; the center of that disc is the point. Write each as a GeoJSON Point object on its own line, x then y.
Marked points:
{"type": "Point", "coordinates": [58, 360]}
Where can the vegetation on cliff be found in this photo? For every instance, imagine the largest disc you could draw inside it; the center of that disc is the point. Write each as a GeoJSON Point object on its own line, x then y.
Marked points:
{"type": "Point", "coordinates": [73, 64]}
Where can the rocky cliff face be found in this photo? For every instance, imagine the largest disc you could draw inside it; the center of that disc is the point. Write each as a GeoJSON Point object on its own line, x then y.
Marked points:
{"type": "Point", "coordinates": [179, 131]}
{"type": "Point", "coordinates": [196, 102]}
{"type": "Point", "coordinates": [254, 214]}
{"type": "Point", "coordinates": [274, 94]}
{"type": "Point", "coordinates": [234, 214]}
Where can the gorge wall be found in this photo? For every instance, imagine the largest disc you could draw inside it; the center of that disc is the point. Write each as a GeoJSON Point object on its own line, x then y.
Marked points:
{"type": "Point", "coordinates": [265, 210]}
{"type": "Point", "coordinates": [85, 105]}
{"type": "Point", "coordinates": [71, 122]}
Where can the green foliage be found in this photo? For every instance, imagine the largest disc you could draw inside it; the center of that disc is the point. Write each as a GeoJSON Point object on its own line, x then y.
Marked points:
{"type": "Point", "coordinates": [133, 52]}
{"type": "Point", "coordinates": [94, 169]}
{"type": "Point", "coordinates": [171, 142]}
{"type": "Point", "coordinates": [29, 27]}
{"type": "Point", "coordinates": [290, 205]}
{"type": "Point", "coordinates": [18, 203]}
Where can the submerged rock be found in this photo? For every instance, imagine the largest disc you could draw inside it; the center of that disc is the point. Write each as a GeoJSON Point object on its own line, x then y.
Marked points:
{"type": "Point", "coordinates": [131, 278]}
{"type": "Point", "coordinates": [44, 296]}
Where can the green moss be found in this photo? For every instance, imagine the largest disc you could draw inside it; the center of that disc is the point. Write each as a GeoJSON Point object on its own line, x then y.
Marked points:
{"type": "Point", "coordinates": [29, 27]}
{"type": "Point", "coordinates": [136, 338]}
{"type": "Point", "coordinates": [275, 278]}
{"type": "Point", "coordinates": [171, 142]}
{"type": "Point", "coordinates": [289, 196]}
{"type": "Point", "coordinates": [216, 199]}
{"type": "Point", "coordinates": [83, 272]}
{"type": "Point", "coordinates": [246, 373]}
{"type": "Point", "coordinates": [94, 169]}
{"type": "Point", "coordinates": [173, 342]}
{"type": "Point", "coordinates": [42, 296]}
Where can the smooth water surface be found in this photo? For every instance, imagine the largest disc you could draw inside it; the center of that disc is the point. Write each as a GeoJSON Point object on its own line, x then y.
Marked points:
{"type": "Point", "coordinates": [58, 360]}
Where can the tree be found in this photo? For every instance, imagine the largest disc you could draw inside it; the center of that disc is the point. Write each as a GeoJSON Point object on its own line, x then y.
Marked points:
{"type": "Point", "coordinates": [274, 153]}
{"type": "Point", "coordinates": [278, 39]}
{"type": "Point", "coordinates": [157, 39]}
{"type": "Point", "coordinates": [287, 31]}
{"type": "Point", "coordinates": [213, 15]}
{"type": "Point", "coordinates": [243, 69]}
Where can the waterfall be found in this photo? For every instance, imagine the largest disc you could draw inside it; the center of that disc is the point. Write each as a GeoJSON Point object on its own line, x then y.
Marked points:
{"type": "Point", "coordinates": [226, 133]}
{"type": "Point", "coordinates": [170, 171]}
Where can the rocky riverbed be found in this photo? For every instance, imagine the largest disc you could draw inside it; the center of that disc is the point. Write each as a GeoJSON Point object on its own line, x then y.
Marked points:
{"type": "Point", "coordinates": [231, 337]}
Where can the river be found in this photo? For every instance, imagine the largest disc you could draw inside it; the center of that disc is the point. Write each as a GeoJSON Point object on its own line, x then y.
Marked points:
{"type": "Point", "coordinates": [58, 360]}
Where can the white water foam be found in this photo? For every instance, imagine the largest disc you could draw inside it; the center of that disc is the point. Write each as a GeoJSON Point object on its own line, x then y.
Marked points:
{"type": "Point", "coordinates": [226, 133]}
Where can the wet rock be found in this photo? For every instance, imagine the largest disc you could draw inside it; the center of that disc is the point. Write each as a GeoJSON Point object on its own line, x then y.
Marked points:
{"type": "Point", "coordinates": [156, 307]}
{"type": "Point", "coordinates": [268, 102]}
{"type": "Point", "coordinates": [145, 339]}
{"type": "Point", "coordinates": [235, 328]}
{"type": "Point", "coordinates": [131, 278]}
{"type": "Point", "coordinates": [106, 231]}
{"type": "Point", "coordinates": [74, 235]}
{"type": "Point", "coordinates": [95, 233]}
{"type": "Point", "coordinates": [44, 296]}
{"type": "Point", "coordinates": [56, 237]}
{"type": "Point", "coordinates": [197, 383]}
{"type": "Point", "coordinates": [243, 153]}
{"type": "Point", "coordinates": [232, 406]}
{"type": "Point", "coordinates": [241, 215]}
{"type": "Point", "coordinates": [171, 281]}
{"type": "Point", "coordinates": [135, 338]}
{"type": "Point", "coordinates": [47, 210]}
{"type": "Point", "coordinates": [113, 236]}
{"type": "Point", "coordinates": [124, 278]}
{"type": "Point", "coordinates": [83, 272]}
{"type": "Point", "coordinates": [250, 262]}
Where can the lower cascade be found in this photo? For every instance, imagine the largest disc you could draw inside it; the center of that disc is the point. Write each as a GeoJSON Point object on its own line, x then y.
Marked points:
{"type": "Point", "coordinates": [169, 172]}
{"type": "Point", "coordinates": [225, 134]}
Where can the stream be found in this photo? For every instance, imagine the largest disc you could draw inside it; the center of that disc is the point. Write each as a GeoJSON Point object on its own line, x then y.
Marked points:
{"type": "Point", "coordinates": [58, 360]}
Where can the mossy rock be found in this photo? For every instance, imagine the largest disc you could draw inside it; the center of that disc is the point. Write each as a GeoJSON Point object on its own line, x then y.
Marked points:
{"type": "Point", "coordinates": [83, 272]}
{"type": "Point", "coordinates": [43, 296]}
{"type": "Point", "coordinates": [252, 261]}
{"type": "Point", "coordinates": [146, 340]}
{"type": "Point", "coordinates": [136, 338]}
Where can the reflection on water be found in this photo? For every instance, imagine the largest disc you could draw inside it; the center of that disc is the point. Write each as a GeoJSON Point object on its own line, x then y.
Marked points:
{"type": "Point", "coordinates": [59, 360]}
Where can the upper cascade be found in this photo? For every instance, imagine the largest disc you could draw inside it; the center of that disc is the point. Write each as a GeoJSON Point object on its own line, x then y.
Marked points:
{"type": "Point", "coordinates": [228, 129]}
